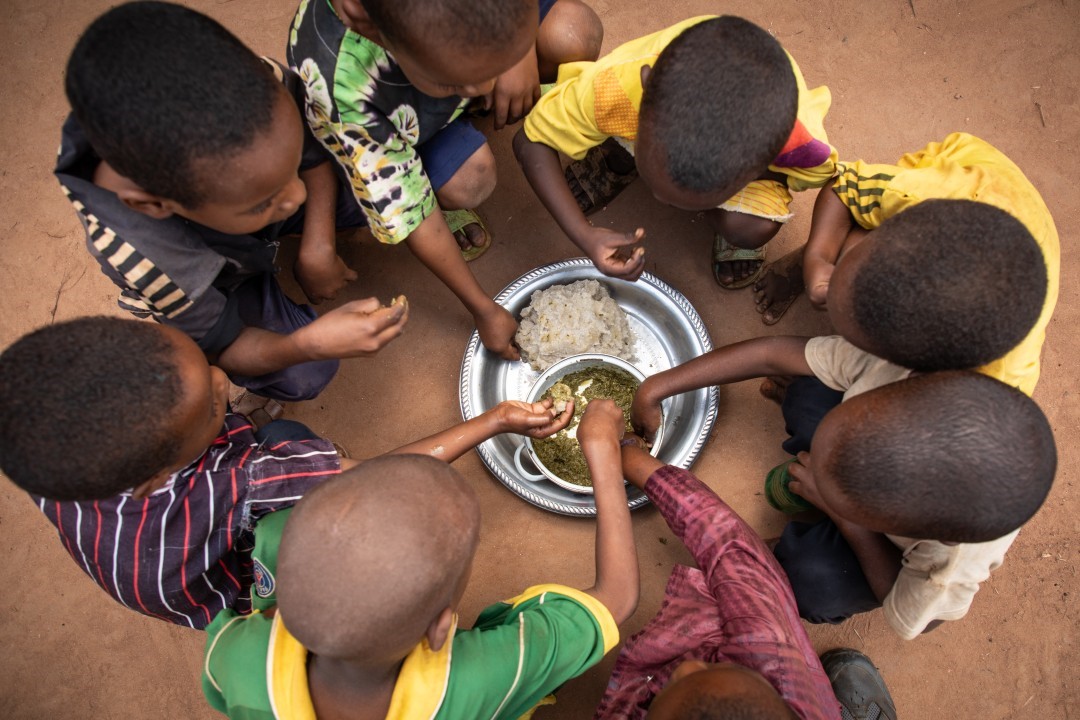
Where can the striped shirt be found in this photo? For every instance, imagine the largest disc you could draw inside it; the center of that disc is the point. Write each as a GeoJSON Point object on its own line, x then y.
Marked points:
{"type": "Point", "coordinates": [183, 554]}
{"type": "Point", "coordinates": [179, 272]}
{"type": "Point", "coordinates": [737, 608]}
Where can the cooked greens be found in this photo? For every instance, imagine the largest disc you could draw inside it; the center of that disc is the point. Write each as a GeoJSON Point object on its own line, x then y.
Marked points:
{"type": "Point", "coordinates": [561, 453]}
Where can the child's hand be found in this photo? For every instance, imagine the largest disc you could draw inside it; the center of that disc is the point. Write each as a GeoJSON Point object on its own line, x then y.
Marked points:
{"type": "Point", "coordinates": [321, 273]}
{"type": "Point", "coordinates": [537, 420]}
{"type": "Point", "coordinates": [645, 413]}
{"type": "Point", "coordinates": [602, 425]}
{"type": "Point", "coordinates": [616, 254]}
{"type": "Point", "coordinates": [516, 91]}
{"type": "Point", "coordinates": [803, 483]}
{"type": "Point", "coordinates": [356, 329]}
{"type": "Point", "coordinates": [497, 328]}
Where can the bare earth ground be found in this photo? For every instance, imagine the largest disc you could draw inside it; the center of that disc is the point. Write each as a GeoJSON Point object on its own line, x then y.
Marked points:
{"type": "Point", "coordinates": [901, 74]}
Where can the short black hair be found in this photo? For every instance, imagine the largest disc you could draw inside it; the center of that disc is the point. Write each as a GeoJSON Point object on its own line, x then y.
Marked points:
{"type": "Point", "coordinates": [949, 285]}
{"type": "Point", "coordinates": [953, 456]}
{"type": "Point", "coordinates": [480, 24]}
{"type": "Point", "coordinates": [157, 87]}
{"type": "Point", "coordinates": [737, 706]}
{"type": "Point", "coordinates": [722, 101]}
{"type": "Point", "coordinates": [85, 408]}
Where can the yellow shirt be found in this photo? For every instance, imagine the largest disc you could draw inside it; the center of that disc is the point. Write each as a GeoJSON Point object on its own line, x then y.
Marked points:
{"type": "Point", "coordinates": [593, 101]}
{"type": "Point", "coordinates": [962, 167]}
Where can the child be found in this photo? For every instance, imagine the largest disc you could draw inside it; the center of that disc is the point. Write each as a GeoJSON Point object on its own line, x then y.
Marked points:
{"type": "Point", "coordinates": [727, 636]}
{"type": "Point", "coordinates": [717, 114]}
{"type": "Point", "coordinates": [180, 157]}
{"type": "Point", "coordinates": [409, 526]}
{"type": "Point", "coordinates": [387, 82]}
{"type": "Point", "coordinates": [925, 484]}
{"type": "Point", "coordinates": [959, 309]}
{"type": "Point", "coordinates": [152, 484]}
{"type": "Point", "coordinates": [959, 169]}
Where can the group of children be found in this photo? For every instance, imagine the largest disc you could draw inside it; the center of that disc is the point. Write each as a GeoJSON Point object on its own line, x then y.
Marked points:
{"type": "Point", "coordinates": [917, 451]}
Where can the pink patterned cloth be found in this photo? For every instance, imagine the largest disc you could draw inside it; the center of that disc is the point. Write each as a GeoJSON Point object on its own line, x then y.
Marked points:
{"type": "Point", "coordinates": [737, 608]}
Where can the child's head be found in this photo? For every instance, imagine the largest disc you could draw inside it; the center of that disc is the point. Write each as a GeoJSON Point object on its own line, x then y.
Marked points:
{"type": "Point", "coordinates": [96, 406]}
{"type": "Point", "coordinates": [943, 285]}
{"type": "Point", "coordinates": [700, 691]}
{"type": "Point", "coordinates": [451, 47]}
{"type": "Point", "coordinates": [378, 558]}
{"type": "Point", "coordinates": [191, 118]}
{"type": "Point", "coordinates": [953, 456]}
{"type": "Point", "coordinates": [717, 108]}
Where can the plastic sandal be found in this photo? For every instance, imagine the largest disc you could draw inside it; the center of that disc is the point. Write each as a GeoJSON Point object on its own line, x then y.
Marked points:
{"type": "Point", "coordinates": [459, 219]}
{"type": "Point", "coordinates": [723, 252]}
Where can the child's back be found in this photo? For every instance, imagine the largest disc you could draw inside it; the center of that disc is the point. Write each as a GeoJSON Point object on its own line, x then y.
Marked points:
{"type": "Point", "coordinates": [370, 571]}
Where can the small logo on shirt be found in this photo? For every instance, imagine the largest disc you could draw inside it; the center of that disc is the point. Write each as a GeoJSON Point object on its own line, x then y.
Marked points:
{"type": "Point", "coordinates": [264, 580]}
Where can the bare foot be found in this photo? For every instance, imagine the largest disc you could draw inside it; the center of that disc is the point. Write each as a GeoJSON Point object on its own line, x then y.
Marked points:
{"type": "Point", "coordinates": [471, 236]}
{"type": "Point", "coordinates": [775, 388]}
{"type": "Point", "coordinates": [728, 273]}
{"type": "Point", "coordinates": [778, 288]}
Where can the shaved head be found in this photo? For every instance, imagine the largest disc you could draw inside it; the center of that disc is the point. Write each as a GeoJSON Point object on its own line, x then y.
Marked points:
{"type": "Point", "coordinates": [369, 559]}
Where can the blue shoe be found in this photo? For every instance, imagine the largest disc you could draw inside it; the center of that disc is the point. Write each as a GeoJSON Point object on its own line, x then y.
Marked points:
{"type": "Point", "coordinates": [858, 686]}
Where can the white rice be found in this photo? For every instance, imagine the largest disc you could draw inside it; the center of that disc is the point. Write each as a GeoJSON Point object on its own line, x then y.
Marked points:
{"type": "Point", "coordinates": [567, 320]}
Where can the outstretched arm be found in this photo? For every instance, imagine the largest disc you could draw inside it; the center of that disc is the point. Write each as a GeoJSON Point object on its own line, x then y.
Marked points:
{"type": "Point", "coordinates": [433, 244]}
{"type": "Point", "coordinates": [356, 329]}
{"type": "Point", "coordinates": [617, 583]}
{"type": "Point", "coordinates": [537, 420]}
{"type": "Point", "coordinates": [612, 252]}
{"type": "Point", "coordinates": [760, 357]}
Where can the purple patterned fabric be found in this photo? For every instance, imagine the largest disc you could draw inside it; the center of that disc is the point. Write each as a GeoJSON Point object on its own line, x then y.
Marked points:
{"type": "Point", "coordinates": [737, 608]}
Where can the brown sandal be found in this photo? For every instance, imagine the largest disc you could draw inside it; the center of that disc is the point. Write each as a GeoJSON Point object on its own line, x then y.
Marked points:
{"type": "Point", "coordinates": [596, 180]}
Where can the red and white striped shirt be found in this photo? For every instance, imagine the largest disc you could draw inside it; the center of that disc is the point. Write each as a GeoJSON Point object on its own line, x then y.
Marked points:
{"type": "Point", "coordinates": [184, 553]}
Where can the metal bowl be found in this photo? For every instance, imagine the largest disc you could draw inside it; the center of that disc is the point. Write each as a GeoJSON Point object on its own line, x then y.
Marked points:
{"type": "Point", "coordinates": [667, 332]}
{"type": "Point", "coordinates": [549, 377]}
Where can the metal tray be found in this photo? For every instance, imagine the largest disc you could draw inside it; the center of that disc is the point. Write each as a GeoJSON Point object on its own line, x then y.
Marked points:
{"type": "Point", "coordinates": [668, 331]}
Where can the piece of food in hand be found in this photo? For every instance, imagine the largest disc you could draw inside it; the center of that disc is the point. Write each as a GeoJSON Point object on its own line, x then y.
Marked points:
{"type": "Point", "coordinates": [561, 453]}
{"type": "Point", "coordinates": [400, 299]}
{"type": "Point", "coordinates": [561, 395]}
{"type": "Point", "coordinates": [566, 320]}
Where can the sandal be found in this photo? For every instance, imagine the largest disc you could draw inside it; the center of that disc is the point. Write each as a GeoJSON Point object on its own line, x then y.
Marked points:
{"type": "Point", "coordinates": [260, 411]}
{"type": "Point", "coordinates": [460, 219]}
{"type": "Point", "coordinates": [596, 180]}
{"type": "Point", "coordinates": [723, 252]}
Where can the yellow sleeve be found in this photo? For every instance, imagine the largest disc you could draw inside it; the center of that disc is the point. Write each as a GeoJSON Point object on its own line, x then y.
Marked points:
{"type": "Point", "coordinates": [864, 188]}
{"type": "Point", "coordinates": [564, 118]}
{"type": "Point", "coordinates": [813, 107]}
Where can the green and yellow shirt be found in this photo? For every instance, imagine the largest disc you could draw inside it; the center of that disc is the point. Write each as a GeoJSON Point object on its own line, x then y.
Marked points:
{"type": "Point", "coordinates": [519, 651]}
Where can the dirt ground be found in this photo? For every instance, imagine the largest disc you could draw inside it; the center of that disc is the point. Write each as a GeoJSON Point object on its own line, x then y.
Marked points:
{"type": "Point", "coordinates": [902, 73]}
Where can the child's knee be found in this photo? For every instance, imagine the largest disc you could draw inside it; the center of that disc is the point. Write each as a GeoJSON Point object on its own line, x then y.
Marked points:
{"type": "Point", "coordinates": [571, 32]}
{"type": "Point", "coordinates": [472, 184]}
{"type": "Point", "coordinates": [744, 230]}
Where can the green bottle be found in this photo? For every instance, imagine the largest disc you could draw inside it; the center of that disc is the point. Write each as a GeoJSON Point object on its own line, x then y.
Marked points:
{"type": "Point", "coordinates": [778, 494]}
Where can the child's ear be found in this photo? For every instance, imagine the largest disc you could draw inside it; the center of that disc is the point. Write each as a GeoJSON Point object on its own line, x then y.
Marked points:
{"type": "Point", "coordinates": [143, 202]}
{"type": "Point", "coordinates": [646, 71]}
{"type": "Point", "coordinates": [440, 628]}
{"type": "Point", "coordinates": [356, 19]}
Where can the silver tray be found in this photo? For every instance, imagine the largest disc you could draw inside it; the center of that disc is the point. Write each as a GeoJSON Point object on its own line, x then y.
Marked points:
{"type": "Point", "coordinates": [668, 331]}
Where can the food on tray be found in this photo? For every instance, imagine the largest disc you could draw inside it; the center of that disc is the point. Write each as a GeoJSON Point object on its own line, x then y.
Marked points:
{"type": "Point", "coordinates": [561, 453]}
{"type": "Point", "coordinates": [566, 320]}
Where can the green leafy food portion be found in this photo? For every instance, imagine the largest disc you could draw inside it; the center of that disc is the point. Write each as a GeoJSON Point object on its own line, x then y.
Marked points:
{"type": "Point", "coordinates": [561, 453]}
